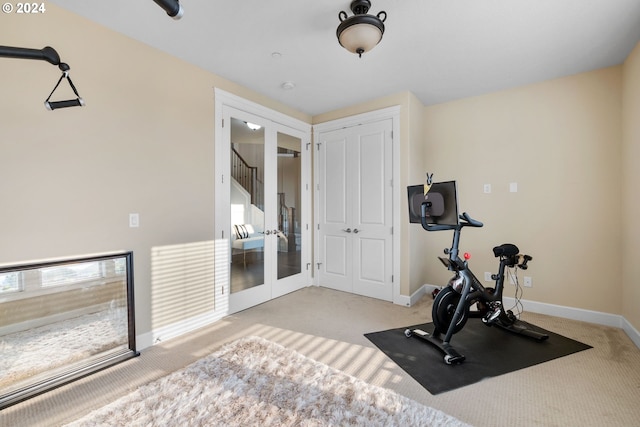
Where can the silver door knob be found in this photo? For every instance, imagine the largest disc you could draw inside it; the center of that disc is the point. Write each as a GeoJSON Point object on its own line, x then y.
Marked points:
{"type": "Point", "coordinates": [267, 232]}
{"type": "Point", "coordinates": [348, 230]}
{"type": "Point", "coordinates": [355, 230]}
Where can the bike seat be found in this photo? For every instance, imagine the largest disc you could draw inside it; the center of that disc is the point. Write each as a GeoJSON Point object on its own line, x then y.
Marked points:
{"type": "Point", "coordinates": [506, 249]}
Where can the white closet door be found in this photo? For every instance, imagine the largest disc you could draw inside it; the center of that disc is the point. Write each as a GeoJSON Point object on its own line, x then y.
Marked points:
{"type": "Point", "coordinates": [355, 224]}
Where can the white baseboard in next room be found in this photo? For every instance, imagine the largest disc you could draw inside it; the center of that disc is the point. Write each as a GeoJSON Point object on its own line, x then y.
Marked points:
{"type": "Point", "coordinates": [590, 316]}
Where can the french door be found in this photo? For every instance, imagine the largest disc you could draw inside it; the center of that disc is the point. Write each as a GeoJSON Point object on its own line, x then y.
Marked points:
{"type": "Point", "coordinates": [265, 203]}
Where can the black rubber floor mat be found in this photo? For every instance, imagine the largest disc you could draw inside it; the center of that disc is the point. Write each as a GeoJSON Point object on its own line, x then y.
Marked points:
{"type": "Point", "coordinates": [489, 352]}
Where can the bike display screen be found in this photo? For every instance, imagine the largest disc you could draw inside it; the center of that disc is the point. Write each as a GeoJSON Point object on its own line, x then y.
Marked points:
{"type": "Point", "coordinates": [441, 203]}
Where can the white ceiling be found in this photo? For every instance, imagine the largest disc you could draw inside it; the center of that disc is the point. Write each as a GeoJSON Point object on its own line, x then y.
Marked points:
{"type": "Point", "coordinates": [440, 50]}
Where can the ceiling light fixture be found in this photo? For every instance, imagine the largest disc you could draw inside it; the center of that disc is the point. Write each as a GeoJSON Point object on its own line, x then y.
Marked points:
{"type": "Point", "coordinates": [253, 126]}
{"type": "Point", "coordinates": [361, 32]}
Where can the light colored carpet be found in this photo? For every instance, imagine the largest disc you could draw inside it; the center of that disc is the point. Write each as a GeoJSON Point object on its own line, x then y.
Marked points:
{"type": "Point", "coordinates": [252, 382]}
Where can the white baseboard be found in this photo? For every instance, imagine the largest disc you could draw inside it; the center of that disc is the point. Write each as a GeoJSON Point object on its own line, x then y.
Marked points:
{"type": "Point", "coordinates": [144, 340]}
{"type": "Point", "coordinates": [632, 332]}
{"type": "Point", "coordinates": [565, 312]}
{"type": "Point", "coordinates": [415, 297]}
{"type": "Point", "coordinates": [175, 330]}
{"type": "Point", "coordinates": [409, 301]}
{"type": "Point", "coordinates": [597, 317]}
{"type": "Point", "coordinates": [590, 316]}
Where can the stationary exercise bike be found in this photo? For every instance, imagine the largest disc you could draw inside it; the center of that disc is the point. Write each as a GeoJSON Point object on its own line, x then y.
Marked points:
{"type": "Point", "coordinates": [452, 307]}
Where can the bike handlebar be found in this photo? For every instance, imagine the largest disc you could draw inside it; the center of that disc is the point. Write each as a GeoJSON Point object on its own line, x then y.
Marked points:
{"type": "Point", "coordinates": [524, 265]}
{"type": "Point", "coordinates": [468, 221]}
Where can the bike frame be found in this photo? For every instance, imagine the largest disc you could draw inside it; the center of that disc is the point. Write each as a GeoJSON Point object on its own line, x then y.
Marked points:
{"type": "Point", "coordinates": [455, 263]}
{"type": "Point", "coordinates": [473, 291]}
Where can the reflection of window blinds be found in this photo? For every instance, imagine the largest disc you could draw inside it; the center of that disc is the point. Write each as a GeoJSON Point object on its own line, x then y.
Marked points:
{"type": "Point", "coordinates": [9, 283]}
{"type": "Point", "coordinates": [72, 273]}
{"type": "Point", "coordinates": [63, 318]}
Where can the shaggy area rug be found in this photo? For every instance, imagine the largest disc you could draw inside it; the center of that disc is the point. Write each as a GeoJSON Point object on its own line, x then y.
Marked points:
{"type": "Point", "coordinates": [254, 382]}
{"type": "Point", "coordinates": [29, 353]}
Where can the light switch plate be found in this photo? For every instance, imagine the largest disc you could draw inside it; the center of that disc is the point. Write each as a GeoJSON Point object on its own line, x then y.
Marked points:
{"type": "Point", "coordinates": [134, 220]}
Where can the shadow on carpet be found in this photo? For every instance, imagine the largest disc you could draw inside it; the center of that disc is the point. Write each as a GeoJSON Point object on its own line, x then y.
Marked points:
{"type": "Point", "coordinates": [489, 352]}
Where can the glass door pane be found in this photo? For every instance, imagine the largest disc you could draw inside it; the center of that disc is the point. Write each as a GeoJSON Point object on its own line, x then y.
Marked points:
{"type": "Point", "coordinates": [247, 205]}
{"type": "Point", "coordinates": [289, 259]}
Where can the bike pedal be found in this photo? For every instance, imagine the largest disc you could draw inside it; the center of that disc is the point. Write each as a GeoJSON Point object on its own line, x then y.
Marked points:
{"type": "Point", "coordinates": [491, 318]}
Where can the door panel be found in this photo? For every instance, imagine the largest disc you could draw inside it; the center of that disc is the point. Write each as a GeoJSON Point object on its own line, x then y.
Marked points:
{"type": "Point", "coordinates": [370, 251]}
{"type": "Point", "coordinates": [336, 256]}
{"type": "Point", "coordinates": [289, 205]}
{"type": "Point", "coordinates": [249, 173]}
{"type": "Point", "coordinates": [373, 277]}
{"type": "Point", "coordinates": [335, 181]}
{"type": "Point", "coordinates": [336, 244]}
{"type": "Point", "coordinates": [292, 207]}
{"type": "Point", "coordinates": [355, 233]}
{"type": "Point", "coordinates": [373, 220]}
{"type": "Point", "coordinates": [372, 173]}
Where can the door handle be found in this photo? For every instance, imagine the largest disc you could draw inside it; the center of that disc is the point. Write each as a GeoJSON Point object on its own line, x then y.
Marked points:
{"type": "Point", "coordinates": [355, 230]}
{"type": "Point", "coordinates": [348, 230]}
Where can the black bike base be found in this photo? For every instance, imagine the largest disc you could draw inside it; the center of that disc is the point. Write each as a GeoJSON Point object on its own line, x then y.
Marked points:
{"type": "Point", "coordinates": [451, 356]}
{"type": "Point", "coordinates": [523, 329]}
{"type": "Point", "coordinates": [489, 353]}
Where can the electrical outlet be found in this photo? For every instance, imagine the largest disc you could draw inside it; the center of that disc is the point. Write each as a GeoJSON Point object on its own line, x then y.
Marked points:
{"type": "Point", "coordinates": [487, 276]}
{"type": "Point", "coordinates": [528, 282]}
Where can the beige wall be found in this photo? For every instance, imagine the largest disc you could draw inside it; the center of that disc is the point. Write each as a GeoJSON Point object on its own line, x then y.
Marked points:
{"type": "Point", "coordinates": [414, 267]}
{"type": "Point", "coordinates": [631, 179]}
{"type": "Point", "coordinates": [144, 143]}
{"type": "Point", "coordinates": [560, 141]}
